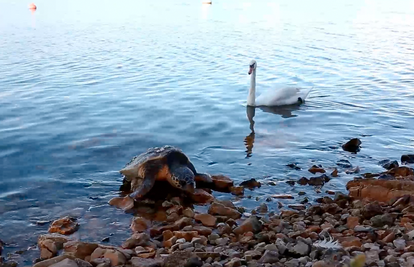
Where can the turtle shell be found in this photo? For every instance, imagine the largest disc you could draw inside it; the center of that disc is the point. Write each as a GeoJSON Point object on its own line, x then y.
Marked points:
{"type": "Point", "coordinates": [156, 159]}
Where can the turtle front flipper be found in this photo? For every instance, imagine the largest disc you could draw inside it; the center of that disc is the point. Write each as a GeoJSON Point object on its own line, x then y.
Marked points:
{"type": "Point", "coordinates": [144, 188]}
{"type": "Point", "coordinates": [203, 178]}
{"type": "Point", "coordinates": [124, 203]}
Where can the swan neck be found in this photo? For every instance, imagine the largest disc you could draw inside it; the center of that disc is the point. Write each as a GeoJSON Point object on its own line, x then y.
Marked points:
{"type": "Point", "coordinates": [252, 92]}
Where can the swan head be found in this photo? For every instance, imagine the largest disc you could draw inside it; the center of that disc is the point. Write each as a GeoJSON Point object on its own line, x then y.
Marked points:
{"type": "Point", "coordinates": [252, 66]}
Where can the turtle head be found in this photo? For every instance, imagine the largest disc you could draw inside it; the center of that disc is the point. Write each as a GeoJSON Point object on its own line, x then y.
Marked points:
{"type": "Point", "coordinates": [182, 178]}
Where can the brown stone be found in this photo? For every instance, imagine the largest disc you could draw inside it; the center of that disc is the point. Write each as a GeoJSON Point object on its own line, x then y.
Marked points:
{"type": "Point", "coordinates": [219, 209]}
{"type": "Point", "coordinates": [405, 220]}
{"type": "Point", "coordinates": [314, 228]}
{"type": "Point", "coordinates": [79, 249]}
{"type": "Point", "coordinates": [176, 209]}
{"type": "Point", "coordinates": [288, 213]}
{"type": "Point", "coordinates": [222, 182]}
{"type": "Point", "coordinates": [402, 171]}
{"type": "Point", "coordinates": [138, 239]}
{"type": "Point", "coordinates": [47, 248]}
{"type": "Point", "coordinates": [351, 222]}
{"type": "Point", "coordinates": [147, 254]}
{"type": "Point", "coordinates": [315, 169]}
{"type": "Point", "coordinates": [237, 190]}
{"type": "Point", "coordinates": [156, 231]}
{"type": "Point", "coordinates": [183, 222]}
{"type": "Point", "coordinates": [206, 219]}
{"type": "Point", "coordinates": [380, 190]}
{"type": "Point", "coordinates": [313, 236]}
{"type": "Point", "coordinates": [327, 226]}
{"type": "Point", "coordinates": [188, 212]}
{"type": "Point", "coordinates": [334, 173]}
{"type": "Point", "coordinates": [64, 226]}
{"type": "Point", "coordinates": [97, 253]}
{"type": "Point", "coordinates": [54, 260]}
{"type": "Point", "coordinates": [188, 236]}
{"type": "Point", "coordinates": [170, 242]}
{"type": "Point", "coordinates": [167, 234]}
{"type": "Point", "coordinates": [201, 196]}
{"type": "Point", "coordinates": [139, 224]}
{"type": "Point", "coordinates": [124, 203]}
{"type": "Point", "coordinates": [202, 230]}
{"type": "Point", "coordinates": [246, 238]}
{"type": "Point", "coordinates": [389, 238]}
{"type": "Point", "coordinates": [382, 233]}
{"type": "Point", "coordinates": [252, 224]}
{"type": "Point", "coordinates": [116, 257]}
{"type": "Point", "coordinates": [50, 244]}
{"type": "Point", "coordinates": [350, 241]}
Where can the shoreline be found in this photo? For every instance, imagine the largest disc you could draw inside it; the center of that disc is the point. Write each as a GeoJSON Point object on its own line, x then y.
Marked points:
{"type": "Point", "coordinates": [373, 223]}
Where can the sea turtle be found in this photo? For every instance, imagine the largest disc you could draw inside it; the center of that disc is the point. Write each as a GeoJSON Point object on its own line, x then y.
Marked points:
{"type": "Point", "coordinates": [166, 163]}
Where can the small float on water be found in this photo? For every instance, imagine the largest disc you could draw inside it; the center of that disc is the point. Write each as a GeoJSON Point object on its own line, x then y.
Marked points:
{"type": "Point", "coordinates": [32, 6]}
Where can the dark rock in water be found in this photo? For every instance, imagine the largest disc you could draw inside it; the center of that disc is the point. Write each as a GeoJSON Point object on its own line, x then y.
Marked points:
{"type": "Point", "coordinates": [388, 164]}
{"type": "Point", "coordinates": [252, 183]}
{"type": "Point", "coordinates": [352, 145]}
{"type": "Point", "coordinates": [292, 183]}
{"type": "Point", "coordinates": [320, 180]}
{"type": "Point", "coordinates": [344, 163]}
{"type": "Point", "coordinates": [303, 181]}
{"type": "Point", "coordinates": [314, 169]}
{"type": "Point", "coordinates": [407, 158]}
{"type": "Point", "coordinates": [293, 166]}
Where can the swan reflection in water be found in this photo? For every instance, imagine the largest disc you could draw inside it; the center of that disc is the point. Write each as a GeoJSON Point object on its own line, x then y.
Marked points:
{"type": "Point", "coordinates": [284, 111]}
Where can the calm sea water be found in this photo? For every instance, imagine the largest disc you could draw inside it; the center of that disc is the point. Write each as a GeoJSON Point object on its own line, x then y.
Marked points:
{"type": "Point", "coordinates": [86, 85]}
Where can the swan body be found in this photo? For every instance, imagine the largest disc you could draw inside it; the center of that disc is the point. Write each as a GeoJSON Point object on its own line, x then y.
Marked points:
{"type": "Point", "coordinates": [281, 97]}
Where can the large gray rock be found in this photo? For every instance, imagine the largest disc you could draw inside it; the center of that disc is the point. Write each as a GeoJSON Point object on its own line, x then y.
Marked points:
{"type": "Point", "coordinates": [65, 263]}
{"type": "Point", "coordinates": [141, 262]}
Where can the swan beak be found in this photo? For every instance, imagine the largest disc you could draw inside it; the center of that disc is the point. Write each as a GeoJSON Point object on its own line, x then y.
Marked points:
{"type": "Point", "coordinates": [250, 70]}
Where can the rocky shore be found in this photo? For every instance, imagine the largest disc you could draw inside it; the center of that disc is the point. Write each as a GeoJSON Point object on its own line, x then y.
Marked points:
{"type": "Point", "coordinates": [372, 225]}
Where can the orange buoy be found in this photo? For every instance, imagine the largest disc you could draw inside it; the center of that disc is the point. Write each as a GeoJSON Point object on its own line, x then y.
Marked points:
{"type": "Point", "coordinates": [32, 6]}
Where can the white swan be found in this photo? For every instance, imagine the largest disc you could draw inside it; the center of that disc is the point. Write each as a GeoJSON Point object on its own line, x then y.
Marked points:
{"type": "Point", "coordinates": [281, 97]}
